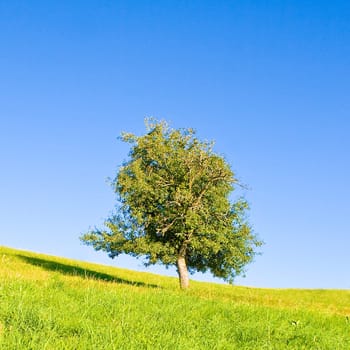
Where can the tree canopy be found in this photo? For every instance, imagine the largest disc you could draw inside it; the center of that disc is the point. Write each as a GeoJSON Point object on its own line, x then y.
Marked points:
{"type": "Point", "coordinates": [174, 207]}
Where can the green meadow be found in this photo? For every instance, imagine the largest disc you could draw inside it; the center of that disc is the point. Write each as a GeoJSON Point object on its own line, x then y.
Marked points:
{"type": "Point", "coordinates": [48, 302]}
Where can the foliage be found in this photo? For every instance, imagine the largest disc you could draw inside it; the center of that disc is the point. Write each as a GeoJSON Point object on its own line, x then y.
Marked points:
{"type": "Point", "coordinates": [174, 203]}
{"type": "Point", "coordinates": [54, 303]}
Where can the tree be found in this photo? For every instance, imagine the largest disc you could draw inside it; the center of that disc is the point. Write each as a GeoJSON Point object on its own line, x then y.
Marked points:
{"type": "Point", "coordinates": [174, 207]}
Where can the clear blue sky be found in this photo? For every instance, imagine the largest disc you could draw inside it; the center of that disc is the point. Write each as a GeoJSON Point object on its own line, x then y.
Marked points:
{"type": "Point", "coordinates": [269, 81]}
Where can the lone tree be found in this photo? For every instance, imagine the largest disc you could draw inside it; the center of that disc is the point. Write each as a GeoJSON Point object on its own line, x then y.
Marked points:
{"type": "Point", "coordinates": [174, 207]}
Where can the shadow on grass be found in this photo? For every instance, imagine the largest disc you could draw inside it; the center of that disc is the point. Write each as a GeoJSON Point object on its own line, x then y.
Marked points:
{"type": "Point", "coordinates": [72, 270]}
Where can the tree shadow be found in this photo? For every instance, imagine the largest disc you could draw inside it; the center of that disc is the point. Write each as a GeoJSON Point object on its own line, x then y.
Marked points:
{"type": "Point", "coordinates": [72, 270]}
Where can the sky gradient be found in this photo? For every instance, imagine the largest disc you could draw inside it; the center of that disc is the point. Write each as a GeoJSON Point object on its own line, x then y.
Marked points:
{"type": "Point", "coordinates": [269, 81]}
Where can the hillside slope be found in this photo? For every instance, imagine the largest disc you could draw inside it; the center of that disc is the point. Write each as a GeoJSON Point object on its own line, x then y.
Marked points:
{"type": "Point", "coordinates": [48, 302]}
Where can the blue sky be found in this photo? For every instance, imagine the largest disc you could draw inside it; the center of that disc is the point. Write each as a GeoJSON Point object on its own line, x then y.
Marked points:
{"type": "Point", "coordinates": [267, 80]}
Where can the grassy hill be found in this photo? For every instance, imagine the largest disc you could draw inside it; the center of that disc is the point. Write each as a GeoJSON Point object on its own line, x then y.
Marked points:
{"type": "Point", "coordinates": [48, 302]}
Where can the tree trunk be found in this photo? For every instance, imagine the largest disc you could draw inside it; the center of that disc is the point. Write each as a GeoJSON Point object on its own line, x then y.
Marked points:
{"type": "Point", "coordinates": [183, 272]}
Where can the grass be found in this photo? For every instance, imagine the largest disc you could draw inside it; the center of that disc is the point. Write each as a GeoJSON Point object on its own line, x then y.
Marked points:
{"type": "Point", "coordinates": [54, 303]}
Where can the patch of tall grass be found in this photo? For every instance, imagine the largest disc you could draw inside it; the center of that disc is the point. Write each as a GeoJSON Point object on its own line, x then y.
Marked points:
{"type": "Point", "coordinates": [54, 303]}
